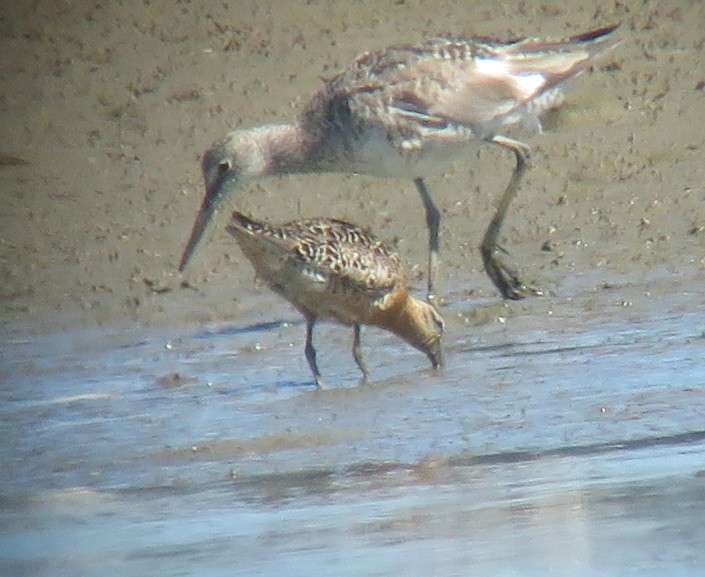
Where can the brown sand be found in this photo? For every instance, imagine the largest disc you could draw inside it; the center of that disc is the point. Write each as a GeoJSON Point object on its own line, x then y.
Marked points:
{"type": "Point", "coordinates": [107, 107]}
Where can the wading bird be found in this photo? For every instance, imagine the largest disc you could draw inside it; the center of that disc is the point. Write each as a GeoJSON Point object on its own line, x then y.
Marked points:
{"type": "Point", "coordinates": [331, 269]}
{"type": "Point", "coordinates": [407, 111]}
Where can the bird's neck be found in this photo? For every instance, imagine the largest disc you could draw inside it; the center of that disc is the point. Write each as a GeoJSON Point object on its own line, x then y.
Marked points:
{"type": "Point", "coordinates": [286, 147]}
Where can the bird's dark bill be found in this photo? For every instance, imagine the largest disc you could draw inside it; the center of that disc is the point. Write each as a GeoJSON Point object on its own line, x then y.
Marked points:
{"type": "Point", "coordinates": [199, 226]}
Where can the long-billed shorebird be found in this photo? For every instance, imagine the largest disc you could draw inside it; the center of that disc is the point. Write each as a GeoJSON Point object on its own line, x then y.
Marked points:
{"type": "Point", "coordinates": [408, 111]}
{"type": "Point", "coordinates": [332, 269]}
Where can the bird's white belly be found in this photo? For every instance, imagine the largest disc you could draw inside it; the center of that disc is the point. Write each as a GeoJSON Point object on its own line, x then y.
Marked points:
{"type": "Point", "coordinates": [377, 156]}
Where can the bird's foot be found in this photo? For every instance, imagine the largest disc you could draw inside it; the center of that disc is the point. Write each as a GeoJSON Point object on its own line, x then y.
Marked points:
{"type": "Point", "coordinates": [504, 276]}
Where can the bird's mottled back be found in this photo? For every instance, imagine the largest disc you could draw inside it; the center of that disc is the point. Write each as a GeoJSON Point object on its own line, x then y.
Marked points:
{"type": "Point", "coordinates": [332, 247]}
{"type": "Point", "coordinates": [474, 83]}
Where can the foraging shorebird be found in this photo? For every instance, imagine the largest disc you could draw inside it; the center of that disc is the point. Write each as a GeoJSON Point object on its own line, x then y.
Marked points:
{"type": "Point", "coordinates": [408, 111]}
{"type": "Point", "coordinates": [332, 269]}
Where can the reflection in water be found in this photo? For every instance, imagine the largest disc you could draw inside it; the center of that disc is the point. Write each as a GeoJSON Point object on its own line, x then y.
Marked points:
{"type": "Point", "coordinates": [576, 453]}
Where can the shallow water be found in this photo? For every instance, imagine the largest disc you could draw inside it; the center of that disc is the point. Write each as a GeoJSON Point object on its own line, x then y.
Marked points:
{"type": "Point", "coordinates": [569, 447]}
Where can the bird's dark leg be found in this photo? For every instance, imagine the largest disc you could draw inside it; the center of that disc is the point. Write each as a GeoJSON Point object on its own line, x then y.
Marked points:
{"type": "Point", "coordinates": [357, 353]}
{"type": "Point", "coordinates": [503, 275]}
{"type": "Point", "coordinates": [311, 352]}
{"type": "Point", "coordinates": [433, 221]}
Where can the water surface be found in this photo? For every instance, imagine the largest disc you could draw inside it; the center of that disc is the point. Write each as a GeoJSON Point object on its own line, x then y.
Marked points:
{"type": "Point", "coordinates": [561, 447]}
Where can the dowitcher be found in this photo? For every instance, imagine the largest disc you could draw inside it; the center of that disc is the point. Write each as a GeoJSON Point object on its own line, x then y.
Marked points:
{"type": "Point", "coordinates": [408, 111]}
{"type": "Point", "coordinates": [332, 269]}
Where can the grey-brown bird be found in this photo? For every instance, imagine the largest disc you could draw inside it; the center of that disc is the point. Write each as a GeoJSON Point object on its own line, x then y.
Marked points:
{"type": "Point", "coordinates": [407, 111]}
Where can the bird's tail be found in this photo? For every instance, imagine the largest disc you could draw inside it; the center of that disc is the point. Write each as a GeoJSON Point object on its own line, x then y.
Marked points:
{"type": "Point", "coordinates": [558, 60]}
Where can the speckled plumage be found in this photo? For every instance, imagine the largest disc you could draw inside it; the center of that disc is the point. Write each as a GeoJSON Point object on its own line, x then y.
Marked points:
{"type": "Point", "coordinates": [329, 268]}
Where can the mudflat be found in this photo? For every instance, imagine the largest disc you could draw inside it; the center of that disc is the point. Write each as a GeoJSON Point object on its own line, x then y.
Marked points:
{"type": "Point", "coordinates": [107, 109]}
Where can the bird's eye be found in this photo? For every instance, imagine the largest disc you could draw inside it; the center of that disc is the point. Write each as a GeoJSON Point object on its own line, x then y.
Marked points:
{"type": "Point", "coordinates": [224, 166]}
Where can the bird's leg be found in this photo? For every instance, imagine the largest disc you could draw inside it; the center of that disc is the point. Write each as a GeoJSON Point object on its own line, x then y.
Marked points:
{"type": "Point", "coordinates": [357, 353]}
{"type": "Point", "coordinates": [433, 221]}
{"type": "Point", "coordinates": [503, 275]}
{"type": "Point", "coordinates": [311, 352]}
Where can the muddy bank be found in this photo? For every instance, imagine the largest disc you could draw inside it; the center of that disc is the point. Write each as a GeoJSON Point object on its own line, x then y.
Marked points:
{"type": "Point", "coordinates": [107, 108]}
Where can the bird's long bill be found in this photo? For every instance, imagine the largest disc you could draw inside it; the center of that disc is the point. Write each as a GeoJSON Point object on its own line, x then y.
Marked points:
{"type": "Point", "coordinates": [203, 217]}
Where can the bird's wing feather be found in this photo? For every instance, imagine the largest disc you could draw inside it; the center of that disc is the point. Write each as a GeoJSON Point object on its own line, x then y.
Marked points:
{"type": "Point", "coordinates": [477, 83]}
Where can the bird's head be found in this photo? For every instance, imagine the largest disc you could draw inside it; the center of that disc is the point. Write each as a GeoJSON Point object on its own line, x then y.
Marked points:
{"type": "Point", "coordinates": [227, 166]}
